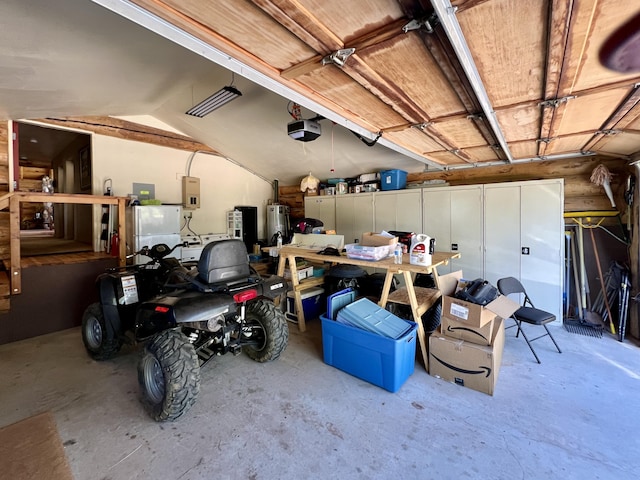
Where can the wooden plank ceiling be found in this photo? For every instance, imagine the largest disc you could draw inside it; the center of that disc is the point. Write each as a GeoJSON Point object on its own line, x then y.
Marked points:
{"type": "Point", "coordinates": [538, 61]}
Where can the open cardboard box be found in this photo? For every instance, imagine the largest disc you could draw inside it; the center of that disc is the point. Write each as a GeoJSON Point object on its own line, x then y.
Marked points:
{"type": "Point", "coordinates": [371, 239]}
{"type": "Point", "coordinates": [316, 241]}
{"type": "Point", "coordinates": [471, 314]}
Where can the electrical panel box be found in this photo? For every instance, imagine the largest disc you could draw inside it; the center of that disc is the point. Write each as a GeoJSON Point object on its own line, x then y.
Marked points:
{"type": "Point", "coordinates": [190, 192]}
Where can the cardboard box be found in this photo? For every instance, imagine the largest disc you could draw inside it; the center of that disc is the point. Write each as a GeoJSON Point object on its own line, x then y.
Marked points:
{"type": "Point", "coordinates": [480, 335]}
{"type": "Point", "coordinates": [303, 272]}
{"type": "Point", "coordinates": [467, 364]}
{"type": "Point", "coordinates": [472, 314]}
{"type": "Point", "coordinates": [371, 239]}
{"type": "Point", "coordinates": [379, 360]}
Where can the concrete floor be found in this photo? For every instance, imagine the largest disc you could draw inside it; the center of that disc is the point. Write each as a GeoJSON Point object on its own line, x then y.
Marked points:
{"type": "Point", "coordinates": [575, 416]}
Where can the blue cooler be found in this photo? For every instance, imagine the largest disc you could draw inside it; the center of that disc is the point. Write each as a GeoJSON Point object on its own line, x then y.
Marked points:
{"type": "Point", "coordinates": [313, 303]}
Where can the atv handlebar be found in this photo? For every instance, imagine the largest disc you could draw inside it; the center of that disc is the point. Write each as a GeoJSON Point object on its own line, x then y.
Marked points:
{"type": "Point", "coordinates": [158, 251]}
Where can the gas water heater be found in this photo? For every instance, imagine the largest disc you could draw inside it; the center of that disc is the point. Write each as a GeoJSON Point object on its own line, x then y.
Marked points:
{"type": "Point", "coordinates": [277, 221]}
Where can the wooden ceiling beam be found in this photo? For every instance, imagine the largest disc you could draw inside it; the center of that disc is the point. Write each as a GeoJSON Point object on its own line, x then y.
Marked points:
{"type": "Point", "coordinates": [559, 20]}
{"type": "Point", "coordinates": [361, 73]}
{"type": "Point", "coordinates": [370, 39]}
{"type": "Point", "coordinates": [579, 25]}
{"type": "Point", "coordinates": [441, 50]}
{"type": "Point", "coordinates": [463, 5]}
{"type": "Point", "coordinates": [388, 93]}
{"type": "Point", "coordinates": [439, 47]}
{"type": "Point", "coordinates": [303, 68]}
{"type": "Point", "coordinates": [578, 94]}
{"type": "Point", "coordinates": [432, 133]}
{"type": "Point", "coordinates": [302, 23]}
{"type": "Point", "coordinates": [123, 129]}
{"type": "Point", "coordinates": [397, 128]}
{"type": "Point", "coordinates": [382, 34]}
{"type": "Point", "coordinates": [612, 122]}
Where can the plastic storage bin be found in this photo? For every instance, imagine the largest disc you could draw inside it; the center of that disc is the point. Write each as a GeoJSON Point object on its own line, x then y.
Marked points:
{"type": "Point", "coordinates": [379, 360]}
{"type": "Point", "coordinates": [313, 303]}
{"type": "Point", "coordinates": [362, 252]}
{"type": "Point", "coordinates": [393, 179]}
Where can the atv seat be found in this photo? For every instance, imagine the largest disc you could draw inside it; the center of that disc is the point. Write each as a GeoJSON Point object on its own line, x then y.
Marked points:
{"type": "Point", "coordinates": [224, 261]}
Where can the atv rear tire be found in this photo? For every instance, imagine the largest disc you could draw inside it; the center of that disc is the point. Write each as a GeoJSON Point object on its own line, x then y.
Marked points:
{"type": "Point", "coordinates": [169, 375]}
{"type": "Point", "coordinates": [267, 326]}
{"type": "Point", "coordinates": [99, 343]}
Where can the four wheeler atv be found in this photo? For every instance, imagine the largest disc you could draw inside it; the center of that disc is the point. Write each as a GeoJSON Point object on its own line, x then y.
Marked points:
{"type": "Point", "coordinates": [185, 317]}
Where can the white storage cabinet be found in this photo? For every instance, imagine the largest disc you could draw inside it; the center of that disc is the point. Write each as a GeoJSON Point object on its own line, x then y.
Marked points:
{"type": "Point", "coordinates": [354, 216]}
{"type": "Point", "coordinates": [454, 217]}
{"type": "Point", "coordinates": [321, 208]}
{"type": "Point", "coordinates": [399, 210]}
{"type": "Point", "coordinates": [524, 238]}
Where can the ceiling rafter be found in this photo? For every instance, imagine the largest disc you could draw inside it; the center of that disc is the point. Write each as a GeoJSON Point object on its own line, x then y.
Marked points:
{"type": "Point", "coordinates": [432, 132]}
{"type": "Point", "coordinates": [575, 26]}
{"type": "Point", "coordinates": [359, 71]}
{"type": "Point", "coordinates": [612, 122]}
{"type": "Point", "coordinates": [557, 54]}
{"type": "Point", "coordinates": [369, 39]}
{"type": "Point", "coordinates": [558, 30]}
{"type": "Point", "coordinates": [463, 5]}
{"type": "Point", "coordinates": [302, 23]}
{"type": "Point", "coordinates": [438, 45]}
{"type": "Point", "coordinates": [388, 93]}
{"type": "Point", "coordinates": [626, 84]}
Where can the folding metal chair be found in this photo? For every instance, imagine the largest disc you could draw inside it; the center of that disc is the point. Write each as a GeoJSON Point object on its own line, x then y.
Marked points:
{"type": "Point", "coordinates": [527, 312]}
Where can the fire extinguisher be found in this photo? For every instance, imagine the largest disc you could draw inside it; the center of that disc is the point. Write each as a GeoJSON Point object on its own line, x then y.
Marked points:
{"type": "Point", "coordinates": [115, 245]}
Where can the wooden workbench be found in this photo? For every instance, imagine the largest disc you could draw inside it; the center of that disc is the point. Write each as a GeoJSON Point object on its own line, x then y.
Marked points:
{"type": "Point", "coordinates": [419, 302]}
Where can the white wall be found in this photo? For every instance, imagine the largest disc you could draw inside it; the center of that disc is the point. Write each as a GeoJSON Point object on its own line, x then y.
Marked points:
{"type": "Point", "coordinates": [222, 183]}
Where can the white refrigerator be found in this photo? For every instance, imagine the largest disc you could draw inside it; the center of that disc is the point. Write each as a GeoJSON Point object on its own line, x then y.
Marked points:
{"type": "Point", "coordinates": [148, 225]}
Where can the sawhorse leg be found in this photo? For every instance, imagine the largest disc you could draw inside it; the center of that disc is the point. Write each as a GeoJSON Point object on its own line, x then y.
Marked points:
{"type": "Point", "coordinates": [297, 296]}
{"type": "Point", "coordinates": [422, 337]}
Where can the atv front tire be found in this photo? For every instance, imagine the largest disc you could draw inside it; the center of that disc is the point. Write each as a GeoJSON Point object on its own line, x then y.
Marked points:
{"type": "Point", "coordinates": [267, 328]}
{"type": "Point", "coordinates": [98, 341]}
{"type": "Point", "coordinates": [169, 375]}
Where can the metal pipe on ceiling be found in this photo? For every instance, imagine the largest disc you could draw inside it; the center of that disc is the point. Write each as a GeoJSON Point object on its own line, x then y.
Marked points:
{"type": "Point", "coordinates": [540, 158]}
{"type": "Point", "coordinates": [447, 16]}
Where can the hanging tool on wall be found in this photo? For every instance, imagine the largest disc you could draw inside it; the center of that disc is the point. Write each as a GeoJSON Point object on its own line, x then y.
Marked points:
{"type": "Point", "coordinates": [604, 290]}
{"type": "Point", "coordinates": [107, 217]}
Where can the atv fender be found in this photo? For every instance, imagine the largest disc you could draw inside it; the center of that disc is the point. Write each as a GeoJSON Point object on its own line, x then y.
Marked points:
{"type": "Point", "coordinates": [273, 287]}
{"type": "Point", "coordinates": [109, 304]}
{"type": "Point", "coordinates": [174, 310]}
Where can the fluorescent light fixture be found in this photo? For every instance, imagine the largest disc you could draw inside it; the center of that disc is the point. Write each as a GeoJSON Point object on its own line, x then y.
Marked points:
{"type": "Point", "coordinates": [215, 101]}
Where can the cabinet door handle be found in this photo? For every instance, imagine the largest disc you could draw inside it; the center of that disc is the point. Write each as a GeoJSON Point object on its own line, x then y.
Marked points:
{"type": "Point", "coordinates": [525, 250]}
{"type": "Point", "coordinates": [454, 247]}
